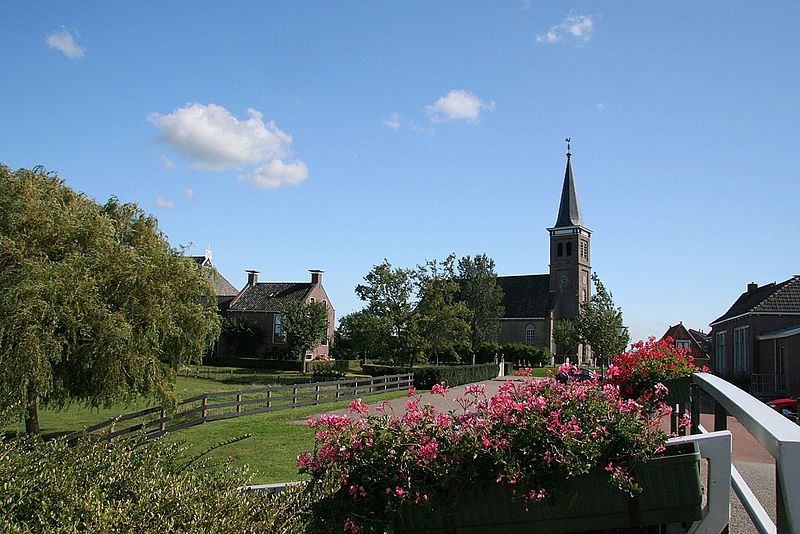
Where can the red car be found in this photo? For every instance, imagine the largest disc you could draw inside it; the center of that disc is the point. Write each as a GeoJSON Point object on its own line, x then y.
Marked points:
{"type": "Point", "coordinates": [787, 407]}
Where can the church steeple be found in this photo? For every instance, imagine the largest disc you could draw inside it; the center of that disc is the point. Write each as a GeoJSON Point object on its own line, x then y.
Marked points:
{"type": "Point", "coordinates": [570, 254]}
{"type": "Point", "coordinates": [569, 211]}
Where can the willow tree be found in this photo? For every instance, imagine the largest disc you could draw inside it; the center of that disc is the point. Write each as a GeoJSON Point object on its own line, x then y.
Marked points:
{"type": "Point", "coordinates": [95, 306]}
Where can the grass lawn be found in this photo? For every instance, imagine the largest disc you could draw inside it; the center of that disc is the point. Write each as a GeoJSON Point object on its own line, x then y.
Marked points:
{"type": "Point", "coordinates": [542, 371]}
{"type": "Point", "coordinates": [276, 439]}
{"type": "Point", "coordinates": [76, 416]}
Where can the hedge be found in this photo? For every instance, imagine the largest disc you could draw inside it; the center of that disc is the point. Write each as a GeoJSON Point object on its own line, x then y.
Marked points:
{"type": "Point", "coordinates": [344, 366]}
{"type": "Point", "coordinates": [252, 363]}
{"type": "Point", "coordinates": [513, 353]}
{"type": "Point", "coordinates": [425, 376]}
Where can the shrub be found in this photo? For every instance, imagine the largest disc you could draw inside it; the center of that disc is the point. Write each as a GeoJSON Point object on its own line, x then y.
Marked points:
{"type": "Point", "coordinates": [426, 376]}
{"type": "Point", "coordinates": [125, 486]}
{"type": "Point", "coordinates": [252, 363]}
{"type": "Point", "coordinates": [325, 372]}
{"type": "Point", "coordinates": [530, 354]}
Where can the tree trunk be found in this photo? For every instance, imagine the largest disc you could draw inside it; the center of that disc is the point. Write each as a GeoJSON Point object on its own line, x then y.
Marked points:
{"type": "Point", "coordinates": [32, 411]}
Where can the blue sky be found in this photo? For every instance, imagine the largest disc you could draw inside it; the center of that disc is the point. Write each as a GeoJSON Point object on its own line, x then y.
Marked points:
{"type": "Point", "coordinates": [300, 135]}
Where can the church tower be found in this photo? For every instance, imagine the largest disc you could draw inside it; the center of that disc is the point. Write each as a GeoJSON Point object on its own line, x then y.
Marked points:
{"type": "Point", "coordinates": [570, 252]}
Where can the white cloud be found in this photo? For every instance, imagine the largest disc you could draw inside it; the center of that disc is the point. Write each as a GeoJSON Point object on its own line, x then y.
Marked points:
{"type": "Point", "coordinates": [578, 27]}
{"type": "Point", "coordinates": [63, 41]}
{"type": "Point", "coordinates": [212, 138]}
{"type": "Point", "coordinates": [276, 173]}
{"type": "Point", "coordinates": [188, 193]}
{"type": "Point", "coordinates": [601, 107]}
{"type": "Point", "coordinates": [167, 163]}
{"type": "Point", "coordinates": [457, 104]}
{"type": "Point", "coordinates": [164, 203]}
{"type": "Point", "coordinates": [393, 121]}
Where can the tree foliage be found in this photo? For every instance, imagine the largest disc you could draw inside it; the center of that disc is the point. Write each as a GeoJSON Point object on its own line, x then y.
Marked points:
{"type": "Point", "coordinates": [306, 326]}
{"type": "Point", "coordinates": [431, 312]}
{"type": "Point", "coordinates": [441, 321]}
{"type": "Point", "coordinates": [599, 325]}
{"type": "Point", "coordinates": [95, 306]}
{"type": "Point", "coordinates": [479, 291]}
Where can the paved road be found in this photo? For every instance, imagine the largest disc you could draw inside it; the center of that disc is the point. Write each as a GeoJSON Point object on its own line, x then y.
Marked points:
{"type": "Point", "coordinates": [754, 463]}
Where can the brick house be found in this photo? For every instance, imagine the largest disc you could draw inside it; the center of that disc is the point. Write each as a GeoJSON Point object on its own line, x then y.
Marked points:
{"type": "Point", "coordinates": [258, 305]}
{"type": "Point", "coordinates": [535, 303]}
{"type": "Point", "coordinates": [695, 340]}
{"type": "Point", "coordinates": [759, 338]}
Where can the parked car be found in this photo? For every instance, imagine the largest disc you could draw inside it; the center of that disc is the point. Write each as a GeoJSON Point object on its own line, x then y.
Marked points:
{"type": "Point", "coordinates": [581, 374]}
{"type": "Point", "coordinates": [786, 407]}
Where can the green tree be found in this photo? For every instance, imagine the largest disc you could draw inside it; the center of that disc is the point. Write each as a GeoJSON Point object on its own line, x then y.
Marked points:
{"type": "Point", "coordinates": [599, 325]}
{"type": "Point", "coordinates": [95, 307]}
{"type": "Point", "coordinates": [389, 293]}
{"type": "Point", "coordinates": [306, 326]}
{"type": "Point", "coordinates": [363, 335]}
{"type": "Point", "coordinates": [478, 289]}
{"type": "Point", "coordinates": [441, 321]}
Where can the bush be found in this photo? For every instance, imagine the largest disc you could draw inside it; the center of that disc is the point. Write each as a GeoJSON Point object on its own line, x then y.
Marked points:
{"type": "Point", "coordinates": [252, 363]}
{"type": "Point", "coordinates": [343, 366]}
{"type": "Point", "coordinates": [324, 372]}
{"type": "Point", "coordinates": [131, 487]}
{"type": "Point", "coordinates": [530, 354]}
{"type": "Point", "coordinates": [426, 376]}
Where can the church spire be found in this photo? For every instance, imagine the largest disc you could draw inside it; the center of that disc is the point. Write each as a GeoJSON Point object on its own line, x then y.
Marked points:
{"type": "Point", "coordinates": [569, 211]}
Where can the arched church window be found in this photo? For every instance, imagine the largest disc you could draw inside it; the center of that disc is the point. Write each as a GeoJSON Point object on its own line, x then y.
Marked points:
{"type": "Point", "coordinates": [530, 334]}
{"type": "Point", "coordinates": [560, 249]}
{"type": "Point", "coordinates": [569, 248]}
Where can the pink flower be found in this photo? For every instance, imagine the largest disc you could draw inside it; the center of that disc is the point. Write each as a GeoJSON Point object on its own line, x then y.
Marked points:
{"type": "Point", "coordinates": [440, 389]}
{"type": "Point", "coordinates": [412, 391]}
{"type": "Point", "coordinates": [476, 390]}
{"type": "Point", "coordinates": [358, 407]}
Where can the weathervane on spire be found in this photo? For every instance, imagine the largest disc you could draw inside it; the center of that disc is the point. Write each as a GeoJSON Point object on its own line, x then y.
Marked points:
{"type": "Point", "coordinates": [567, 140]}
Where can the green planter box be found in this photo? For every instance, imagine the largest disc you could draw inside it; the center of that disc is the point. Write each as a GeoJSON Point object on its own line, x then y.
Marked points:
{"type": "Point", "coordinates": [678, 390]}
{"type": "Point", "coordinates": [671, 494]}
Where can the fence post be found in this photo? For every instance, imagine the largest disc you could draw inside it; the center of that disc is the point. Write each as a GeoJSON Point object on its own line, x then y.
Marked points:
{"type": "Point", "coordinates": [269, 399]}
{"type": "Point", "coordinates": [316, 393]}
{"type": "Point", "coordinates": [294, 395]}
{"type": "Point", "coordinates": [238, 402]}
{"type": "Point", "coordinates": [205, 403]}
{"type": "Point", "coordinates": [163, 426]}
{"type": "Point", "coordinates": [338, 385]}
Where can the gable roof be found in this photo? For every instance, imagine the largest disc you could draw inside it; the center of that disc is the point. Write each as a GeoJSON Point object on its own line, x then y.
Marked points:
{"type": "Point", "coordinates": [221, 286]}
{"type": "Point", "coordinates": [783, 297]}
{"type": "Point", "coordinates": [269, 296]}
{"type": "Point", "coordinates": [526, 295]}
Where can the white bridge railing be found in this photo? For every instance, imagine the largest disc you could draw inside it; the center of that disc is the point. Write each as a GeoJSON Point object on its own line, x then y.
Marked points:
{"type": "Point", "coordinates": [779, 436]}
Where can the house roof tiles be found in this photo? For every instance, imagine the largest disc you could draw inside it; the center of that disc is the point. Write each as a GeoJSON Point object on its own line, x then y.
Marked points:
{"type": "Point", "coordinates": [269, 296]}
{"type": "Point", "coordinates": [777, 297]}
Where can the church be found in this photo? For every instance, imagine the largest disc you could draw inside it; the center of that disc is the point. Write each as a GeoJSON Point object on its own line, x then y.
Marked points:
{"type": "Point", "coordinates": [534, 303]}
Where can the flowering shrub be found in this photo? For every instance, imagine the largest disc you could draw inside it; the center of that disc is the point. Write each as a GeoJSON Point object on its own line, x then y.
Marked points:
{"type": "Point", "coordinates": [532, 437]}
{"type": "Point", "coordinates": [639, 373]}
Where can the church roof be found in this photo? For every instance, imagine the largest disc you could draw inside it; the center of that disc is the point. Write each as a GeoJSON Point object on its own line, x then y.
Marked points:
{"type": "Point", "coordinates": [783, 297]}
{"type": "Point", "coordinates": [569, 211]}
{"type": "Point", "coordinates": [526, 295]}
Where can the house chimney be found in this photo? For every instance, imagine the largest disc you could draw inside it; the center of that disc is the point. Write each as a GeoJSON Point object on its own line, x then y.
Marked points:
{"type": "Point", "coordinates": [252, 277]}
{"type": "Point", "coordinates": [316, 276]}
{"type": "Point", "coordinates": [752, 286]}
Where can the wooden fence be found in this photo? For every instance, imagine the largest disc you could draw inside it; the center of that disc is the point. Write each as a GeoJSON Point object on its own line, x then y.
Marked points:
{"type": "Point", "coordinates": [155, 422]}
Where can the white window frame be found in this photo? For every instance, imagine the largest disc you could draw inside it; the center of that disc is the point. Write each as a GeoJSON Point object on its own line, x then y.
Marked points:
{"type": "Point", "coordinates": [277, 329]}
{"type": "Point", "coordinates": [530, 334]}
{"type": "Point", "coordinates": [741, 363]}
{"type": "Point", "coordinates": [719, 353]}
{"type": "Point", "coordinates": [683, 344]}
